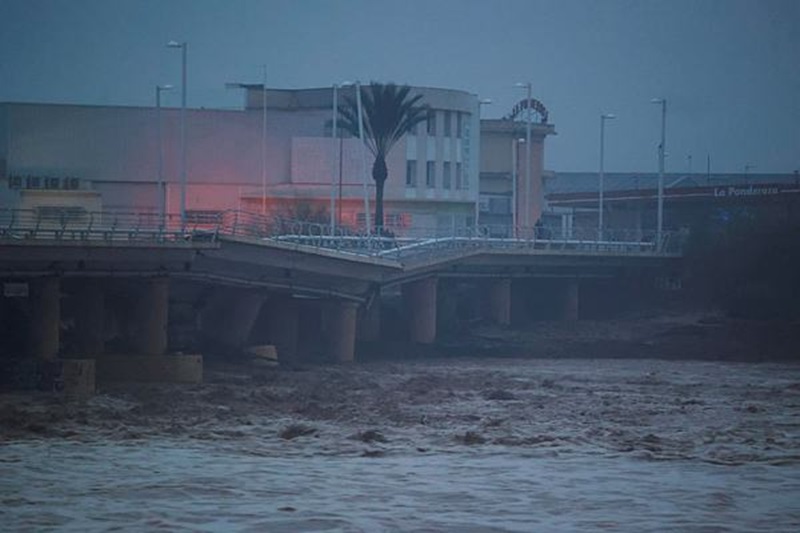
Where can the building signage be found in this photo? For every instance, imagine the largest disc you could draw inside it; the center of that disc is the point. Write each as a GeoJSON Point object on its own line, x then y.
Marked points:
{"type": "Point", "coordinates": [43, 182]}
{"type": "Point", "coordinates": [752, 190]}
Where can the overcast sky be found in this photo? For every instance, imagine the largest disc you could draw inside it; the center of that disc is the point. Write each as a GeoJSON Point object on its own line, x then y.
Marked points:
{"type": "Point", "coordinates": [729, 69]}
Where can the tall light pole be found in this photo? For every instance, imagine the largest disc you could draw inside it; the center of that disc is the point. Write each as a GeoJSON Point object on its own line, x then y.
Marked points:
{"type": "Point", "coordinates": [183, 47]}
{"type": "Point", "coordinates": [336, 153]}
{"type": "Point", "coordinates": [661, 153]}
{"type": "Point", "coordinates": [363, 160]}
{"type": "Point", "coordinates": [514, 163]}
{"type": "Point", "coordinates": [263, 88]}
{"type": "Point", "coordinates": [527, 217]}
{"type": "Point", "coordinates": [601, 184]}
{"type": "Point", "coordinates": [162, 197]}
{"type": "Point", "coordinates": [482, 102]}
{"type": "Point", "coordinates": [264, 140]}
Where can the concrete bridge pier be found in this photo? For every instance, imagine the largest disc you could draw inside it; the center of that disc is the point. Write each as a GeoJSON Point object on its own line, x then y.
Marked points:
{"type": "Point", "coordinates": [420, 303]}
{"type": "Point", "coordinates": [150, 317]}
{"type": "Point", "coordinates": [340, 326]}
{"type": "Point", "coordinates": [283, 326]}
{"type": "Point", "coordinates": [229, 316]}
{"type": "Point", "coordinates": [369, 321]}
{"type": "Point", "coordinates": [570, 302]}
{"type": "Point", "coordinates": [500, 301]}
{"type": "Point", "coordinates": [90, 318]}
{"type": "Point", "coordinates": [45, 299]}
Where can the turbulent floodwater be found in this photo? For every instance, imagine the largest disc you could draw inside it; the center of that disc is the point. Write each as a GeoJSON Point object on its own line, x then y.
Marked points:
{"type": "Point", "coordinates": [449, 445]}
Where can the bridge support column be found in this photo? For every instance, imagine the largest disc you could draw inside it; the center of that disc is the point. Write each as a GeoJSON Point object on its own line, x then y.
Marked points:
{"type": "Point", "coordinates": [369, 321]}
{"type": "Point", "coordinates": [150, 318]}
{"type": "Point", "coordinates": [570, 302]}
{"type": "Point", "coordinates": [500, 301]}
{"type": "Point", "coordinates": [420, 304]}
{"type": "Point", "coordinates": [283, 327]}
{"type": "Point", "coordinates": [229, 316]}
{"type": "Point", "coordinates": [90, 319]}
{"type": "Point", "coordinates": [45, 295]}
{"type": "Point", "coordinates": [340, 324]}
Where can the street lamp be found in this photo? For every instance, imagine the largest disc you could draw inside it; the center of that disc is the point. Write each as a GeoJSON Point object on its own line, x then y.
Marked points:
{"type": "Point", "coordinates": [363, 160]}
{"type": "Point", "coordinates": [263, 87]}
{"type": "Point", "coordinates": [514, 163]}
{"type": "Point", "coordinates": [336, 152]}
{"type": "Point", "coordinates": [162, 197]}
{"type": "Point", "coordinates": [661, 152]}
{"type": "Point", "coordinates": [182, 46]}
{"type": "Point", "coordinates": [527, 218]}
{"type": "Point", "coordinates": [603, 118]}
{"type": "Point", "coordinates": [482, 102]}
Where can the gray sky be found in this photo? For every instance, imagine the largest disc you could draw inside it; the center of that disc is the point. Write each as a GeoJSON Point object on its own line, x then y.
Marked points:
{"type": "Point", "coordinates": [730, 69]}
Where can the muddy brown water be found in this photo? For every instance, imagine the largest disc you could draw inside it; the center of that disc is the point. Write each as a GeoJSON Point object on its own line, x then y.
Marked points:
{"type": "Point", "coordinates": [441, 445]}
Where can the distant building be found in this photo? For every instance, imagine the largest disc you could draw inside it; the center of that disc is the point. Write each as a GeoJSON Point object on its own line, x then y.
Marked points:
{"type": "Point", "coordinates": [503, 165]}
{"type": "Point", "coordinates": [74, 158]}
{"type": "Point", "coordinates": [630, 201]}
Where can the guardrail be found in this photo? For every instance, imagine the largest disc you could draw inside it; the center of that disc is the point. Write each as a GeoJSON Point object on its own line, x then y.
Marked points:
{"type": "Point", "coordinates": [71, 224]}
{"type": "Point", "coordinates": [414, 242]}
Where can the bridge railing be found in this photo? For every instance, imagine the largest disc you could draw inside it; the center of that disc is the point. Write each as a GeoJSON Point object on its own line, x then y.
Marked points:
{"type": "Point", "coordinates": [77, 224]}
{"type": "Point", "coordinates": [56, 223]}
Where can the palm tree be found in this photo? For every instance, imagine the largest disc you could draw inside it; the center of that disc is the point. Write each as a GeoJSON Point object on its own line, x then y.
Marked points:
{"type": "Point", "coordinates": [388, 114]}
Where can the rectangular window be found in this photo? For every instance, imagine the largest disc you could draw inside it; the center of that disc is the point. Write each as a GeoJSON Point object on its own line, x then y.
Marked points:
{"type": "Point", "coordinates": [430, 174]}
{"type": "Point", "coordinates": [431, 123]}
{"type": "Point", "coordinates": [446, 170]}
{"type": "Point", "coordinates": [411, 173]}
{"type": "Point", "coordinates": [459, 125]}
{"type": "Point", "coordinates": [412, 130]}
{"type": "Point", "coordinates": [459, 184]}
{"type": "Point", "coordinates": [447, 127]}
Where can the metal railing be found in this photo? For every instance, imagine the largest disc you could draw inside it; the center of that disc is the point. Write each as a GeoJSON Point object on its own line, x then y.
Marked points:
{"type": "Point", "coordinates": [407, 243]}
{"type": "Point", "coordinates": [76, 224]}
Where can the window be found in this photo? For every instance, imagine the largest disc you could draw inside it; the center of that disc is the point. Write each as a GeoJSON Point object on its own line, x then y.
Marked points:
{"type": "Point", "coordinates": [459, 125]}
{"type": "Point", "coordinates": [430, 174]}
{"type": "Point", "coordinates": [446, 170]}
{"type": "Point", "coordinates": [447, 119]}
{"type": "Point", "coordinates": [411, 173]}
{"type": "Point", "coordinates": [412, 130]}
{"type": "Point", "coordinates": [458, 176]}
{"type": "Point", "coordinates": [431, 123]}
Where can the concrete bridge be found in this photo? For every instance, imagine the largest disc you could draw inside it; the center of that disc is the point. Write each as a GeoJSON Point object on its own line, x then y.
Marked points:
{"type": "Point", "coordinates": [127, 281]}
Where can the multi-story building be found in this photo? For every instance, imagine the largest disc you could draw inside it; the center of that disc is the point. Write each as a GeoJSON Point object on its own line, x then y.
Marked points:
{"type": "Point", "coordinates": [511, 192]}
{"type": "Point", "coordinates": [281, 160]}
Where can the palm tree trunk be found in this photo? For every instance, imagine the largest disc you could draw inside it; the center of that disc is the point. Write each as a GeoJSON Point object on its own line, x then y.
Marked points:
{"type": "Point", "coordinates": [379, 206]}
{"type": "Point", "coordinates": [379, 174]}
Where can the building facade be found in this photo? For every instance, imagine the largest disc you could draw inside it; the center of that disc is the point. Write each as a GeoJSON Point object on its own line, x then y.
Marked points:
{"type": "Point", "coordinates": [511, 187]}
{"type": "Point", "coordinates": [630, 203]}
{"type": "Point", "coordinates": [281, 161]}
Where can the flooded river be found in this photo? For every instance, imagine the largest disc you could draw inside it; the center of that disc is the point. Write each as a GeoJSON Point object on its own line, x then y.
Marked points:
{"type": "Point", "coordinates": [446, 445]}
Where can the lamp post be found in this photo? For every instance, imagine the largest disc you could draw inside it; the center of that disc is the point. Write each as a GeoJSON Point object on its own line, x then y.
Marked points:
{"type": "Point", "coordinates": [661, 153]}
{"type": "Point", "coordinates": [162, 199]}
{"type": "Point", "coordinates": [183, 47]}
{"type": "Point", "coordinates": [263, 88]}
{"type": "Point", "coordinates": [482, 102]}
{"type": "Point", "coordinates": [601, 185]}
{"type": "Point", "coordinates": [336, 152]}
{"type": "Point", "coordinates": [527, 217]}
{"type": "Point", "coordinates": [363, 161]}
{"type": "Point", "coordinates": [514, 164]}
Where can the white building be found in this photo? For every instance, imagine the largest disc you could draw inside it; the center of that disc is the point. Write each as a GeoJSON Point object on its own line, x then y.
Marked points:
{"type": "Point", "coordinates": [76, 158]}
